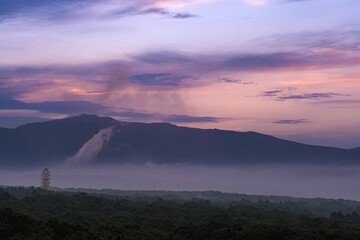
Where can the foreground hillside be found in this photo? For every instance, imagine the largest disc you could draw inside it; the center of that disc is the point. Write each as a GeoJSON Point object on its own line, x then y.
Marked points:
{"type": "Point", "coordinates": [89, 138]}
{"type": "Point", "coordinates": [37, 214]}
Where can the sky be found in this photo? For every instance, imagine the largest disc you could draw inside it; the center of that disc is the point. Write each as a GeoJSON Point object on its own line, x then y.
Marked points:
{"type": "Point", "coordinates": [288, 68]}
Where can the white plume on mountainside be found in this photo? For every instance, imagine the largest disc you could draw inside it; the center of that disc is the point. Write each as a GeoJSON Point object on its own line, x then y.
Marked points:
{"type": "Point", "coordinates": [91, 148]}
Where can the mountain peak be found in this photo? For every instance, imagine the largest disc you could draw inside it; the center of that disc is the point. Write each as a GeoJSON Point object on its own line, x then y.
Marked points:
{"type": "Point", "coordinates": [86, 115]}
{"type": "Point", "coordinates": [91, 118]}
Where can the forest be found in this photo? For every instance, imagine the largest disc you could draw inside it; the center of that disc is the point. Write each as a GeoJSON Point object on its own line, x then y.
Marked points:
{"type": "Point", "coordinates": [36, 214]}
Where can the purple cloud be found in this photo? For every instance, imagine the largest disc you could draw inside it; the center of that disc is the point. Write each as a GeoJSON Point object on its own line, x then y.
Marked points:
{"type": "Point", "coordinates": [78, 107]}
{"type": "Point", "coordinates": [263, 61]}
{"type": "Point", "coordinates": [271, 93]}
{"type": "Point", "coordinates": [233, 80]}
{"type": "Point", "coordinates": [292, 121]}
{"type": "Point", "coordinates": [174, 118]}
{"type": "Point", "coordinates": [183, 15]}
{"type": "Point", "coordinates": [15, 121]}
{"type": "Point", "coordinates": [315, 96]}
{"type": "Point", "coordinates": [159, 11]}
{"type": "Point", "coordinates": [338, 39]}
{"type": "Point", "coordinates": [158, 79]}
{"type": "Point", "coordinates": [340, 101]}
{"type": "Point", "coordinates": [166, 13]}
{"type": "Point", "coordinates": [65, 10]}
{"type": "Point", "coordinates": [250, 62]}
{"type": "Point", "coordinates": [288, 94]}
{"type": "Point", "coordinates": [66, 107]}
{"type": "Point", "coordinates": [163, 57]}
{"type": "Point", "coordinates": [191, 119]}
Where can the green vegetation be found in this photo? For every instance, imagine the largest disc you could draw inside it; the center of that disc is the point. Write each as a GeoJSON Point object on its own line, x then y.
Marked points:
{"type": "Point", "coordinates": [29, 213]}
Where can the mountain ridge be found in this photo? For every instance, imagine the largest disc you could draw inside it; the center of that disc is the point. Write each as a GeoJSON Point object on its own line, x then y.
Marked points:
{"type": "Point", "coordinates": [162, 143]}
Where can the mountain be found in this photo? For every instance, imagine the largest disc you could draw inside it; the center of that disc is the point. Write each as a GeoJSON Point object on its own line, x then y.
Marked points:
{"type": "Point", "coordinates": [357, 152]}
{"type": "Point", "coordinates": [166, 143]}
{"type": "Point", "coordinates": [356, 149]}
{"type": "Point", "coordinates": [55, 140]}
{"type": "Point", "coordinates": [103, 139]}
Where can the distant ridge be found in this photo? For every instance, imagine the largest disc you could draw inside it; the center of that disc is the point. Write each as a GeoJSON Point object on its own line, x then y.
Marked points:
{"type": "Point", "coordinates": [160, 143]}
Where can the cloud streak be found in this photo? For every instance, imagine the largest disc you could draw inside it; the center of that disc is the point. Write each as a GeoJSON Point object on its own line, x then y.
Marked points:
{"type": "Point", "coordinates": [65, 11]}
{"type": "Point", "coordinates": [172, 118]}
{"type": "Point", "coordinates": [66, 107]}
{"type": "Point", "coordinates": [250, 62]}
{"type": "Point", "coordinates": [165, 13]}
{"type": "Point", "coordinates": [341, 102]}
{"type": "Point", "coordinates": [79, 107]}
{"type": "Point", "coordinates": [345, 40]}
{"type": "Point", "coordinates": [15, 121]}
{"type": "Point", "coordinates": [292, 121]}
{"type": "Point", "coordinates": [233, 80]}
{"type": "Point", "coordinates": [271, 93]}
{"type": "Point", "coordinates": [311, 96]}
{"type": "Point", "coordinates": [288, 94]}
{"type": "Point", "coordinates": [191, 119]}
{"type": "Point", "coordinates": [164, 57]}
{"type": "Point", "coordinates": [159, 79]}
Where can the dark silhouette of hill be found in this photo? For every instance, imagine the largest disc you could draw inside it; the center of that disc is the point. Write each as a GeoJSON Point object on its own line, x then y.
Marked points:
{"type": "Point", "coordinates": [357, 152]}
{"type": "Point", "coordinates": [357, 149]}
{"type": "Point", "coordinates": [55, 140]}
{"type": "Point", "coordinates": [166, 143]}
{"type": "Point", "coordinates": [163, 143]}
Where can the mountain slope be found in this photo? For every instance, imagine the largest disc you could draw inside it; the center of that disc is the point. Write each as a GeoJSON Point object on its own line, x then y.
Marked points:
{"type": "Point", "coordinates": [58, 140]}
{"type": "Point", "coordinates": [356, 151]}
{"type": "Point", "coordinates": [49, 141]}
{"type": "Point", "coordinates": [166, 143]}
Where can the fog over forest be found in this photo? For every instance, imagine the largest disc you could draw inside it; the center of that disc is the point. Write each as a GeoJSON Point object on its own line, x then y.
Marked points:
{"type": "Point", "coordinates": [290, 180]}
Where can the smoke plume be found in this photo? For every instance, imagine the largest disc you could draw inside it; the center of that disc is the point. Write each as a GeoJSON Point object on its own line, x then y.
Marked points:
{"type": "Point", "coordinates": [91, 148]}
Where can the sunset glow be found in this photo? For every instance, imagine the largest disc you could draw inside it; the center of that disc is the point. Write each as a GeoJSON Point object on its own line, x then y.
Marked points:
{"type": "Point", "coordinates": [269, 66]}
